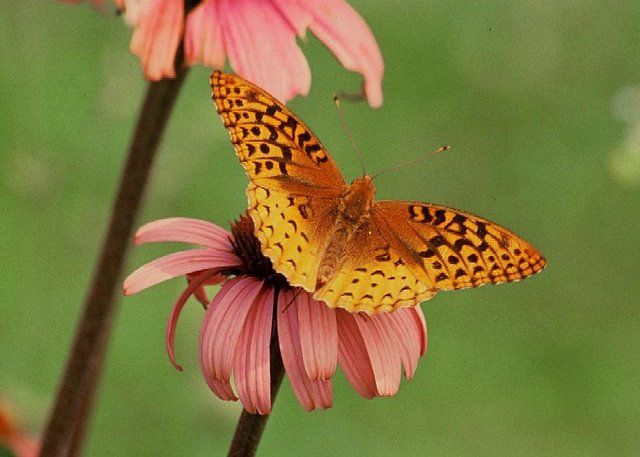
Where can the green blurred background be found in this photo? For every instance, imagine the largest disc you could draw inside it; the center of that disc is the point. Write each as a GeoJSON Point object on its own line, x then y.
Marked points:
{"type": "Point", "coordinates": [540, 102]}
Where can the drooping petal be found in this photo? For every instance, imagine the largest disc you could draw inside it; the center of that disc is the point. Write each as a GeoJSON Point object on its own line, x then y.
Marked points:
{"type": "Point", "coordinates": [401, 327]}
{"type": "Point", "coordinates": [297, 15]}
{"type": "Point", "coordinates": [251, 368]}
{"type": "Point", "coordinates": [194, 285]}
{"type": "Point", "coordinates": [221, 329]}
{"type": "Point", "coordinates": [311, 394]}
{"type": "Point", "coordinates": [348, 36]}
{"type": "Point", "coordinates": [383, 353]}
{"type": "Point", "coordinates": [318, 337]}
{"type": "Point", "coordinates": [200, 293]}
{"type": "Point", "coordinates": [203, 36]}
{"type": "Point", "coordinates": [421, 325]}
{"type": "Point", "coordinates": [184, 230]}
{"type": "Point", "coordinates": [352, 355]}
{"type": "Point", "coordinates": [156, 37]}
{"type": "Point", "coordinates": [177, 264]}
{"type": "Point", "coordinates": [262, 47]}
{"type": "Point", "coordinates": [131, 10]}
{"type": "Point", "coordinates": [222, 389]}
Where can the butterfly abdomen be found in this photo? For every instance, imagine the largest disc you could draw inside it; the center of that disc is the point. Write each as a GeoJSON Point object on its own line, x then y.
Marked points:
{"type": "Point", "coordinates": [354, 211]}
{"type": "Point", "coordinates": [332, 256]}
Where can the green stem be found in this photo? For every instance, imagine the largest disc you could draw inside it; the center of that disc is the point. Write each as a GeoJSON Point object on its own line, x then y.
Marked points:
{"type": "Point", "coordinates": [66, 427]}
{"type": "Point", "coordinates": [251, 426]}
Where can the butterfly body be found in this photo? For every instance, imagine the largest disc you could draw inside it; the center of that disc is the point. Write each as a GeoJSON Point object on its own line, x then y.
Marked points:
{"type": "Point", "coordinates": [333, 239]}
{"type": "Point", "coordinates": [354, 211]}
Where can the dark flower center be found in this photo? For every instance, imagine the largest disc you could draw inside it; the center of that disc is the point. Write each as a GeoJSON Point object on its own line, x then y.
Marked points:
{"type": "Point", "coordinates": [247, 247]}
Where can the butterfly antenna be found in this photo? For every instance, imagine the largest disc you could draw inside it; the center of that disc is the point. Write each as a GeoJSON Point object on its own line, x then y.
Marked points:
{"type": "Point", "coordinates": [412, 162]}
{"type": "Point", "coordinates": [345, 127]}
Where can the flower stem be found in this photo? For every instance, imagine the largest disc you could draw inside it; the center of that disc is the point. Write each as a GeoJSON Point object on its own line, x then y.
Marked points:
{"type": "Point", "coordinates": [250, 426]}
{"type": "Point", "coordinates": [66, 426]}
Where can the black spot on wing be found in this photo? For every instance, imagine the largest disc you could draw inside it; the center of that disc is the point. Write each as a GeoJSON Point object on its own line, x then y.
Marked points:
{"type": "Point", "coordinates": [303, 138]}
{"type": "Point", "coordinates": [271, 110]}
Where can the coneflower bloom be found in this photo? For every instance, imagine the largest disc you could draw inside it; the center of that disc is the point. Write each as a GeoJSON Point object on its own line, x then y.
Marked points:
{"type": "Point", "coordinates": [258, 37]}
{"type": "Point", "coordinates": [254, 301]}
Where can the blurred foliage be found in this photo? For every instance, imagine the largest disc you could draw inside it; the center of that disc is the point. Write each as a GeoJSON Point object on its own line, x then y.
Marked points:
{"type": "Point", "coordinates": [523, 91]}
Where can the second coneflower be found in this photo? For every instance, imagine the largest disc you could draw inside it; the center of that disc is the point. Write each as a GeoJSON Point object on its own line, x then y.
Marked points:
{"type": "Point", "coordinates": [258, 38]}
{"type": "Point", "coordinates": [255, 304]}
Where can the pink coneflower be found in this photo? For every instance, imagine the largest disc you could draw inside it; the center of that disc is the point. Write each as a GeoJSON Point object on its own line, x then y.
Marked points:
{"type": "Point", "coordinates": [256, 303]}
{"type": "Point", "coordinates": [257, 36]}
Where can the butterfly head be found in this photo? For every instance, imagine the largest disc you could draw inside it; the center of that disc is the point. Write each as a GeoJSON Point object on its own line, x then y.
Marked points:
{"type": "Point", "coordinates": [359, 198]}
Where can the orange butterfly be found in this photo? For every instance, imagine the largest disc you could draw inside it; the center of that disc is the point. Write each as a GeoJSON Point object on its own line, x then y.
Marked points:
{"type": "Point", "coordinates": [333, 239]}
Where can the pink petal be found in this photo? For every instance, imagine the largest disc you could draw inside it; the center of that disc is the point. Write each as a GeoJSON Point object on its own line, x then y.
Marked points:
{"type": "Point", "coordinates": [352, 355]}
{"type": "Point", "coordinates": [156, 37]}
{"type": "Point", "coordinates": [221, 329]}
{"type": "Point", "coordinates": [262, 47]}
{"type": "Point", "coordinates": [318, 337]}
{"type": "Point", "coordinates": [383, 353]}
{"type": "Point", "coordinates": [251, 370]}
{"type": "Point", "coordinates": [13, 440]}
{"type": "Point", "coordinates": [203, 36]}
{"type": "Point", "coordinates": [347, 35]}
{"type": "Point", "coordinates": [200, 293]}
{"type": "Point", "coordinates": [401, 327]}
{"type": "Point", "coordinates": [132, 10]}
{"type": "Point", "coordinates": [177, 264]}
{"type": "Point", "coordinates": [184, 230]}
{"type": "Point", "coordinates": [193, 286]}
{"type": "Point", "coordinates": [298, 17]}
{"type": "Point", "coordinates": [311, 394]}
{"type": "Point", "coordinates": [20, 444]}
{"type": "Point", "coordinates": [421, 325]}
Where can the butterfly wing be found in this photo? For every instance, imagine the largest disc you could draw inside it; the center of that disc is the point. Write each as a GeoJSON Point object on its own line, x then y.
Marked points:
{"type": "Point", "coordinates": [295, 186]}
{"type": "Point", "coordinates": [458, 249]}
{"type": "Point", "coordinates": [293, 230]}
{"type": "Point", "coordinates": [374, 276]}
{"type": "Point", "coordinates": [416, 249]}
{"type": "Point", "coordinates": [403, 255]}
{"type": "Point", "coordinates": [273, 145]}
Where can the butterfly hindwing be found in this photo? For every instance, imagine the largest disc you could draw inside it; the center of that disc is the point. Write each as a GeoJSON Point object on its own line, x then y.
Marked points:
{"type": "Point", "coordinates": [293, 231]}
{"type": "Point", "coordinates": [373, 276]}
{"type": "Point", "coordinates": [410, 250]}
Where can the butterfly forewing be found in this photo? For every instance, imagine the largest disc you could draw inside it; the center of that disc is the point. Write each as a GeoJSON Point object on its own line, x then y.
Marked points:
{"type": "Point", "coordinates": [295, 185]}
{"type": "Point", "coordinates": [275, 147]}
{"type": "Point", "coordinates": [457, 249]}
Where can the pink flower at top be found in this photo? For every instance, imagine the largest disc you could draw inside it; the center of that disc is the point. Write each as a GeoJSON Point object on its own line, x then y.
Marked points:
{"type": "Point", "coordinates": [255, 304]}
{"type": "Point", "coordinates": [257, 36]}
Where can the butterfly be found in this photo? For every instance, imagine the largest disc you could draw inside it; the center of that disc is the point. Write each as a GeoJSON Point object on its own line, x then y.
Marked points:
{"type": "Point", "coordinates": [334, 239]}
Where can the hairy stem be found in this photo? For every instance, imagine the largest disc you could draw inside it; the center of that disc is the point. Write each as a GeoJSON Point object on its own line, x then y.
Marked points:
{"type": "Point", "coordinates": [250, 426]}
{"type": "Point", "coordinates": [73, 403]}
